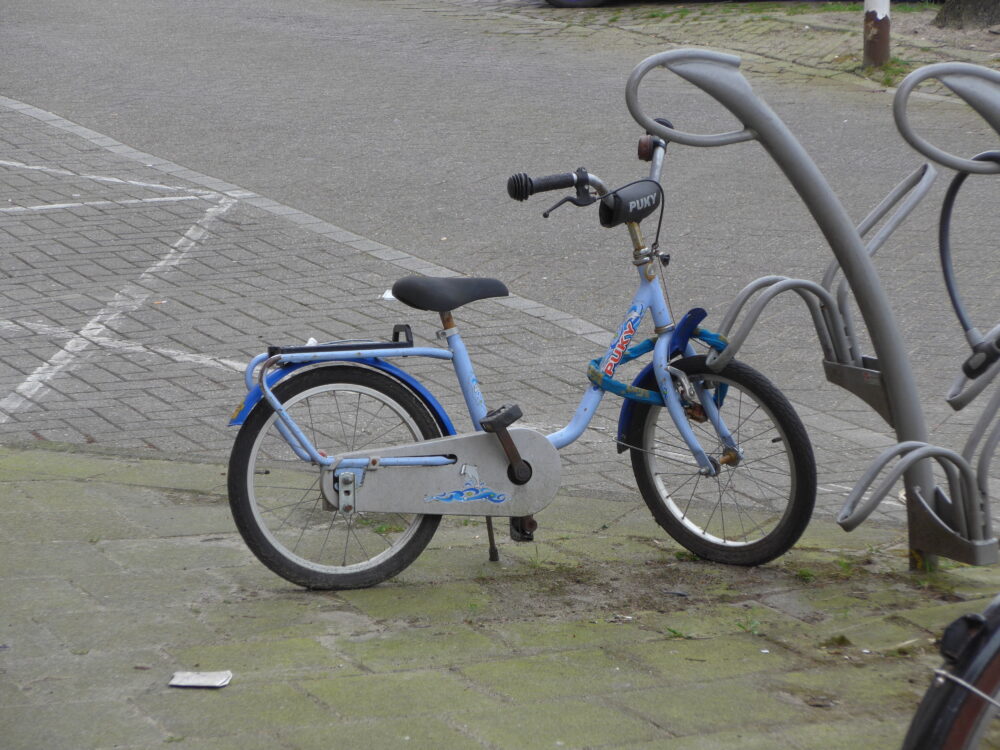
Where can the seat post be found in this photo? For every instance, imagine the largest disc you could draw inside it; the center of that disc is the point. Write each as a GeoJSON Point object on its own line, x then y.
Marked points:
{"type": "Point", "coordinates": [464, 369]}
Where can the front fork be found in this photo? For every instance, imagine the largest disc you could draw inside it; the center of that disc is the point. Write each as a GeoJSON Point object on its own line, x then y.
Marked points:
{"type": "Point", "coordinates": [675, 386]}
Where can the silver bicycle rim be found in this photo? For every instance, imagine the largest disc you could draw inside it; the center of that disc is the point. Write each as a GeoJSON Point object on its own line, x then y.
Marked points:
{"type": "Point", "coordinates": [290, 512]}
{"type": "Point", "coordinates": [742, 504]}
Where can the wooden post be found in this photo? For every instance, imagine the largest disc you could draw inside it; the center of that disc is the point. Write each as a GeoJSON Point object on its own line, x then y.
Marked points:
{"type": "Point", "coordinates": [876, 47]}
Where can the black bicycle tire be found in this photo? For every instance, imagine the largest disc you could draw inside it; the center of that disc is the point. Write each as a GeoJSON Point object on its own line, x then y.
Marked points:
{"type": "Point", "coordinates": [239, 471]}
{"type": "Point", "coordinates": [576, 3]}
{"type": "Point", "coordinates": [950, 715]}
{"type": "Point", "coordinates": [802, 470]}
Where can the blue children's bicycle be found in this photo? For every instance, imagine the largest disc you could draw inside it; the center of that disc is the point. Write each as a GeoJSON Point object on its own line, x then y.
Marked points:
{"type": "Point", "coordinates": [344, 463]}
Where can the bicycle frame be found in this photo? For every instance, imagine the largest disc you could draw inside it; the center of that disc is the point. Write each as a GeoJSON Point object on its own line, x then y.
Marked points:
{"type": "Point", "coordinates": [649, 299]}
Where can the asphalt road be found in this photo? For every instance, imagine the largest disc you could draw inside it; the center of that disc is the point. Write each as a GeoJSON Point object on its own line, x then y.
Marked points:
{"type": "Point", "coordinates": [401, 120]}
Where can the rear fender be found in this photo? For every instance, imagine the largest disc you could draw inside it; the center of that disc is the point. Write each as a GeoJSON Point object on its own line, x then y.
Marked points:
{"type": "Point", "coordinates": [255, 395]}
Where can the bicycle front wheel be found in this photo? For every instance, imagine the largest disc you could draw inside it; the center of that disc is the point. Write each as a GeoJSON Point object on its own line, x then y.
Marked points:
{"type": "Point", "coordinates": [277, 499]}
{"type": "Point", "coordinates": [761, 498]}
{"type": "Point", "coordinates": [959, 709]}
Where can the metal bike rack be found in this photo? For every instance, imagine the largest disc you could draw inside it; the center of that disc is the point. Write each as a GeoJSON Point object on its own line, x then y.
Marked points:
{"type": "Point", "coordinates": [955, 523]}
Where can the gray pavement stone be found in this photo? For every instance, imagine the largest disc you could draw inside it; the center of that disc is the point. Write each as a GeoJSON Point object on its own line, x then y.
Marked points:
{"type": "Point", "coordinates": [582, 636]}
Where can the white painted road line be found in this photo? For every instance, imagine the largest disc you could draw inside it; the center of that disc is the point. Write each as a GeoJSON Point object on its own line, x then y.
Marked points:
{"type": "Point", "coordinates": [127, 300]}
{"type": "Point", "coordinates": [101, 204]}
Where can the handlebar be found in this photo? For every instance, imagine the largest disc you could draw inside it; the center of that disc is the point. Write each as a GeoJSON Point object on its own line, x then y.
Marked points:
{"type": "Point", "coordinates": [979, 87]}
{"type": "Point", "coordinates": [520, 186]}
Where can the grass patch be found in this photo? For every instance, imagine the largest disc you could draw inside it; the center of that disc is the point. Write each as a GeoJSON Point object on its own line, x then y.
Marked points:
{"type": "Point", "coordinates": [749, 625]}
{"type": "Point", "coordinates": [805, 575]}
{"type": "Point", "coordinates": [891, 73]}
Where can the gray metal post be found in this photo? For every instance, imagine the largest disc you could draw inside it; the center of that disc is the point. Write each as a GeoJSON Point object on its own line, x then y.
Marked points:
{"type": "Point", "coordinates": [718, 74]}
{"type": "Point", "coordinates": [875, 48]}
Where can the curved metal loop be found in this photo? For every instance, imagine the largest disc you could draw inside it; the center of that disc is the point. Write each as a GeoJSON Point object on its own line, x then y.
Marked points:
{"type": "Point", "coordinates": [961, 484]}
{"type": "Point", "coordinates": [977, 86]}
{"type": "Point", "coordinates": [709, 71]}
{"type": "Point", "coordinates": [822, 307]}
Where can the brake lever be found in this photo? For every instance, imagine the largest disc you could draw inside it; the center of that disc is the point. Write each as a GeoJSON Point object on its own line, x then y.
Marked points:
{"type": "Point", "coordinates": [583, 196]}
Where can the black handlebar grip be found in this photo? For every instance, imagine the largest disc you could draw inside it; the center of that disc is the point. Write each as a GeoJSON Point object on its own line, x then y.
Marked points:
{"type": "Point", "coordinates": [520, 187]}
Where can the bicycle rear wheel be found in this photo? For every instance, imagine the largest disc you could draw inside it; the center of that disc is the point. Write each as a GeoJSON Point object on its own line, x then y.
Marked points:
{"type": "Point", "coordinates": [277, 499]}
{"type": "Point", "coordinates": [959, 709]}
{"type": "Point", "coordinates": [761, 498]}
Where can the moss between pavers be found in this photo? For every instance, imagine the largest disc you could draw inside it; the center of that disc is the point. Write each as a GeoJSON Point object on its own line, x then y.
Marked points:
{"type": "Point", "coordinates": [239, 708]}
{"type": "Point", "coordinates": [179, 520]}
{"type": "Point", "coordinates": [858, 734]}
{"type": "Point", "coordinates": [440, 645]}
{"type": "Point", "coordinates": [76, 725]}
{"type": "Point", "coordinates": [63, 496]}
{"type": "Point", "coordinates": [463, 563]}
{"type": "Point", "coordinates": [562, 674]}
{"type": "Point", "coordinates": [601, 547]}
{"type": "Point", "coordinates": [20, 559]}
{"type": "Point", "coordinates": [586, 515]}
{"type": "Point", "coordinates": [538, 555]}
{"type": "Point", "coordinates": [81, 674]}
{"type": "Point", "coordinates": [826, 536]}
{"type": "Point", "coordinates": [257, 741]}
{"type": "Point", "coordinates": [936, 617]}
{"type": "Point", "coordinates": [742, 739]}
{"type": "Point", "coordinates": [43, 595]}
{"type": "Point", "coordinates": [176, 553]}
{"type": "Point", "coordinates": [204, 478]}
{"type": "Point", "coordinates": [59, 460]}
{"type": "Point", "coordinates": [17, 464]}
{"type": "Point", "coordinates": [441, 602]}
{"type": "Point", "coordinates": [426, 734]}
{"type": "Point", "coordinates": [23, 637]}
{"type": "Point", "coordinates": [129, 629]}
{"type": "Point", "coordinates": [874, 685]}
{"type": "Point", "coordinates": [86, 466]}
{"type": "Point", "coordinates": [28, 523]}
{"type": "Point", "coordinates": [545, 635]}
{"type": "Point", "coordinates": [974, 581]}
{"type": "Point", "coordinates": [571, 724]}
{"type": "Point", "coordinates": [694, 621]}
{"type": "Point", "coordinates": [743, 702]}
{"type": "Point", "coordinates": [292, 615]}
{"type": "Point", "coordinates": [845, 635]}
{"type": "Point", "coordinates": [260, 660]}
{"type": "Point", "coordinates": [701, 661]}
{"type": "Point", "coordinates": [180, 588]}
{"type": "Point", "coordinates": [399, 694]}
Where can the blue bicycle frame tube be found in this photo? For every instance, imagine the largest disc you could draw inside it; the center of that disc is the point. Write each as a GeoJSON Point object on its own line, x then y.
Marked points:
{"type": "Point", "coordinates": [466, 378]}
{"type": "Point", "coordinates": [648, 298]}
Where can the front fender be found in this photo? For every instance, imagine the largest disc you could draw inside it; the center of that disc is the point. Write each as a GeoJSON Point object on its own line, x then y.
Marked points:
{"type": "Point", "coordinates": [255, 394]}
{"type": "Point", "coordinates": [646, 379]}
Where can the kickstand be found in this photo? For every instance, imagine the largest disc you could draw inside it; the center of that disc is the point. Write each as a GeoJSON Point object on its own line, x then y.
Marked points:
{"type": "Point", "coordinates": [494, 552]}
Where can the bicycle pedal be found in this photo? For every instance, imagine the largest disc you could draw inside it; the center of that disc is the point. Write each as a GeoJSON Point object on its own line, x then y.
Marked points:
{"type": "Point", "coordinates": [522, 528]}
{"type": "Point", "coordinates": [501, 417]}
